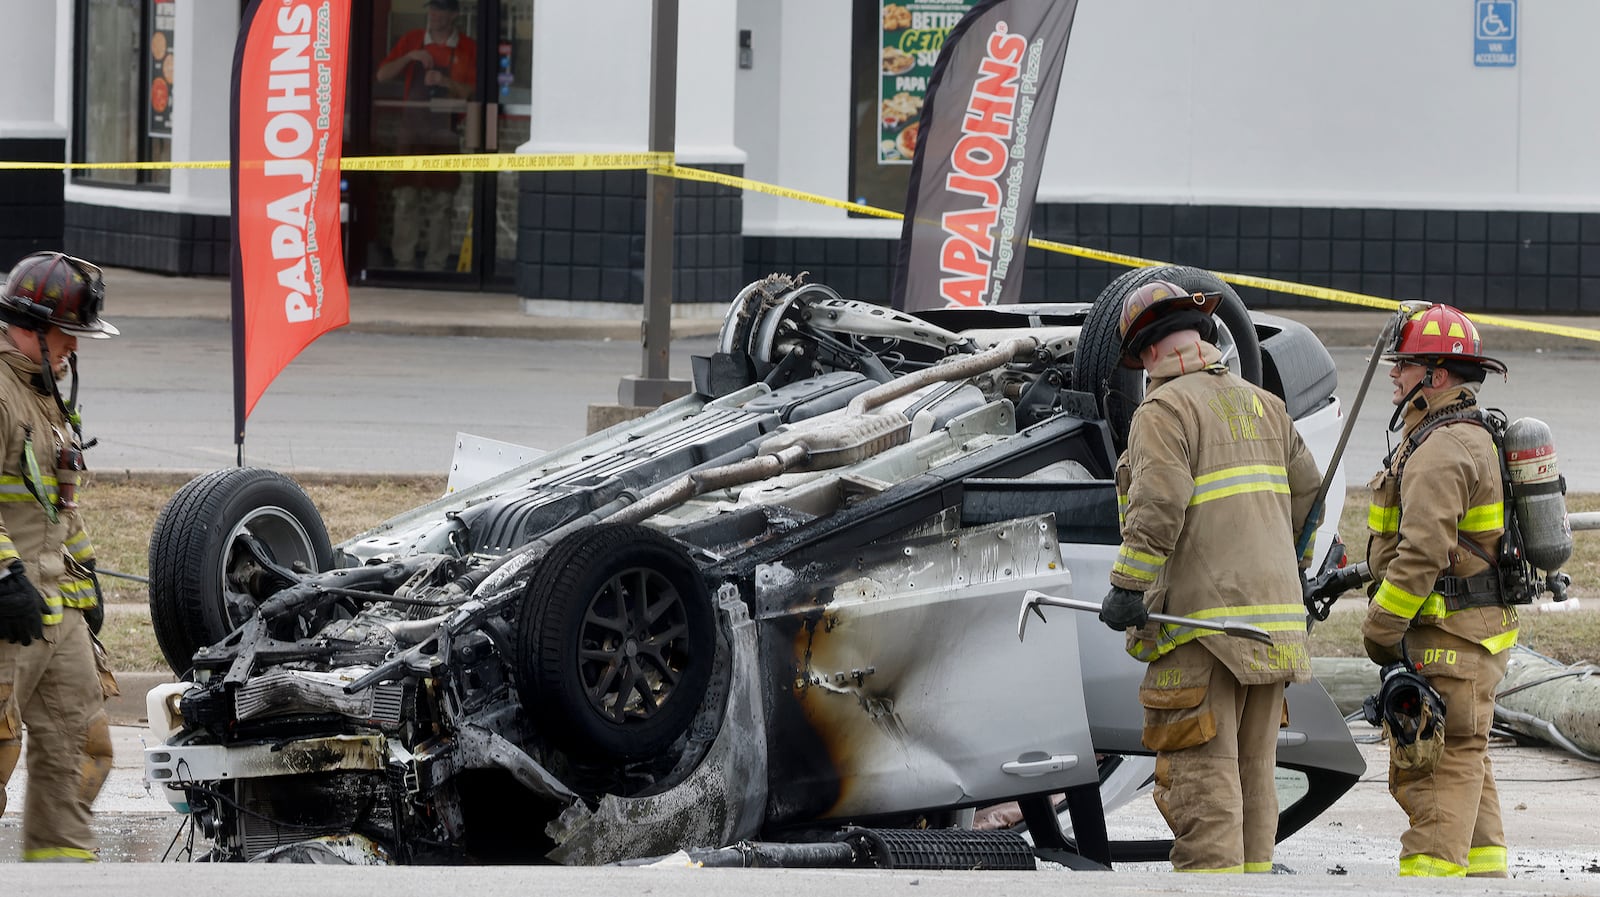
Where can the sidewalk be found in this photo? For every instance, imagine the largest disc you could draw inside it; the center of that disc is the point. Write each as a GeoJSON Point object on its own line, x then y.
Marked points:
{"type": "Point", "coordinates": [138, 294]}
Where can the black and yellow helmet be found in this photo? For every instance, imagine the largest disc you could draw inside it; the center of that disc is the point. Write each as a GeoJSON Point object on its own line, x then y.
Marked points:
{"type": "Point", "coordinates": [53, 288]}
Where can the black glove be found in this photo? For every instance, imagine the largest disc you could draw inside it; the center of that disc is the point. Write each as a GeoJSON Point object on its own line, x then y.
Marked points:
{"type": "Point", "coordinates": [95, 616]}
{"type": "Point", "coordinates": [1123, 609]}
{"type": "Point", "coordinates": [21, 607]}
{"type": "Point", "coordinates": [1382, 655]}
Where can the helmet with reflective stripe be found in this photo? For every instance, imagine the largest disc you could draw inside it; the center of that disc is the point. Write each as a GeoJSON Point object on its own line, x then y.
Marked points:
{"type": "Point", "coordinates": [1437, 333]}
{"type": "Point", "coordinates": [53, 288]}
{"type": "Point", "coordinates": [1152, 302]}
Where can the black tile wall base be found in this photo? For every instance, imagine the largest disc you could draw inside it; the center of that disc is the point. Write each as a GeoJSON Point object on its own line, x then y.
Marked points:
{"type": "Point", "coordinates": [580, 236]}
{"type": "Point", "coordinates": [1517, 262]}
{"type": "Point", "coordinates": [30, 201]}
{"type": "Point", "coordinates": [164, 242]}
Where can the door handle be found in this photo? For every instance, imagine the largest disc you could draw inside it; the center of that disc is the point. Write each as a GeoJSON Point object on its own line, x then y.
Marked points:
{"type": "Point", "coordinates": [472, 129]}
{"type": "Point", "coordinates": [491, 127]}
{"type": "Point", "coordinates": [1039, 763]}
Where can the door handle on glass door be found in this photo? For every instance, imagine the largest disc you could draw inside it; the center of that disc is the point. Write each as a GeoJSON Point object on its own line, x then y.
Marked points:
{"type": "Point", "coordinates": [472, 132]}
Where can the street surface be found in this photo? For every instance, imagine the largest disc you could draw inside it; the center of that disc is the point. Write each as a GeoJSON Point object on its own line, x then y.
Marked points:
{"type": "Point", "coordinates": [160, 397]}
{"type": "Point", "coordinates": [1546, 795]}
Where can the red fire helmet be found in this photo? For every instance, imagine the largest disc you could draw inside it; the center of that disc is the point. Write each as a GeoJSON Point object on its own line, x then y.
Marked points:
{"type": "Point", "coordinates": [1441, 333]}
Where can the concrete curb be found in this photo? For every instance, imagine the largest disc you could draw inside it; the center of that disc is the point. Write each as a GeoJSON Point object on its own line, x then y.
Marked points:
{"type": "Point", "coordinates": [128, 708]}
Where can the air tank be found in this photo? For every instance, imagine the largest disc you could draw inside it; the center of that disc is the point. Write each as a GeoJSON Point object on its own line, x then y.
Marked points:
{"type": "Point", "coordinates": [1539, 492]}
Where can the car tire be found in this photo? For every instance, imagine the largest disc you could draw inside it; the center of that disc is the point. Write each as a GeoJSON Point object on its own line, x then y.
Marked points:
{"type": "Point", "coordinates": [193, 550]}
{"type": "Point", "coordinates": [1117, 390]}
{"type": "Point", "coordinates": [610, 683]}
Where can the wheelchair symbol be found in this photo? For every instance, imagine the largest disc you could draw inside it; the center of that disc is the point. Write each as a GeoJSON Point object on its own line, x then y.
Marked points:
{"type": "Point", "coordinates": [1490, 23]}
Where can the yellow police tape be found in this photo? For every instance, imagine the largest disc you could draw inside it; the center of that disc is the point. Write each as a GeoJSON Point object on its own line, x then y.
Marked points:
{"type": "Point", "coordinates": [1130, 261]}
{"type": "Point", "coordinates": [663, 163]}
{"type": "Point", "coordinates": [511, 162]}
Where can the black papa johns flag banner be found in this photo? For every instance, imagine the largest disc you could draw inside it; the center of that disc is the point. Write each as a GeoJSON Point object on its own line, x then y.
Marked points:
{"type": "Point", "coordinates": [984, 127]}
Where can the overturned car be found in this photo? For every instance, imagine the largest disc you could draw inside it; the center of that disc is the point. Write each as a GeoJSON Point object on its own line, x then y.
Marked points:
{"type": "Point", "coordinates": [777, 617]}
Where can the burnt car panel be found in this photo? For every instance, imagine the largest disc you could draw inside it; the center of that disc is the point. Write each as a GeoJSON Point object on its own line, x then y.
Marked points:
{"type": "Point", "coordinates": [777, 606]}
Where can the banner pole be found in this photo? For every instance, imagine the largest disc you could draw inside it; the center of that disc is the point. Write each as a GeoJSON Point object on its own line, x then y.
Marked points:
{"type": "Point", "coordinates": [236, 267]}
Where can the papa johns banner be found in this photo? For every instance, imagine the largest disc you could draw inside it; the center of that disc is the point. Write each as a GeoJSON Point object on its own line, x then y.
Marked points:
{"type": "Point", "coordinates": [984, 126]}
{"type": "Point", "coordinates": [288, 128]}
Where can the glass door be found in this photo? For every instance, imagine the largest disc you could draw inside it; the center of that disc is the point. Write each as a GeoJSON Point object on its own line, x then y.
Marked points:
{"type": "Point", "coordinates": [428, 83]}
{"type": "Point", "coordinates": [507, 115]}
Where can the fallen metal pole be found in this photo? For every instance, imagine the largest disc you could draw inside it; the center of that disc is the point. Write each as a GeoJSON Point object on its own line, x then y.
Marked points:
{"type": "Point", "coordinates": [1584, 520]}
{"type": "Point", "coordinates": [104, 572]}
{"type": "Point", "coordinates": [1032, 599]}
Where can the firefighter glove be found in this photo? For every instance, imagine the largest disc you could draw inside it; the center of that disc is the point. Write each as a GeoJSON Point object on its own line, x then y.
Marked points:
{"type": "Point", "coordinates": [1382, 655]}
{"type": "Point", "coordinates": [21, 606]}
{"type": "Point", "coordinates": [95, 616]}
{"type": "Point", "coordinates": [1123, 609]}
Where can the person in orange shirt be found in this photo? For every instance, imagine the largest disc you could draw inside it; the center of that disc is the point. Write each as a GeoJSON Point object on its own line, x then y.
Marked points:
{"type": "Point", "coordinates": [436, 62]}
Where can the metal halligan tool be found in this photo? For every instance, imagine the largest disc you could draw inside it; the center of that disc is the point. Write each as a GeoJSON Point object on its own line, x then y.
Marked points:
{"type": "Point", "coordinates": [1032, 599]}
{"type": "Point", "coordinates": [1318, 608]}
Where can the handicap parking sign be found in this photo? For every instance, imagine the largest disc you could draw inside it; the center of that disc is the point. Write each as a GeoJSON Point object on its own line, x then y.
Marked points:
{"type": "Point", "coordinates": [1495, 38]}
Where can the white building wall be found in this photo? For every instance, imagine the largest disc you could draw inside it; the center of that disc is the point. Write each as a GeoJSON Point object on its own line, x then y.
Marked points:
{"type": "Point", "coordinates": [757, 116]}
{"type": "Point", "coordinates": [591, 78]}
{"type": "Point", "coordinates": [797, 99]}
{"type": "Point", "coordinates": [200, 127]}
{"type": "Point", "coordinates": [1350, 103]}
{"type": "Point", "coordinates": [27, 105]}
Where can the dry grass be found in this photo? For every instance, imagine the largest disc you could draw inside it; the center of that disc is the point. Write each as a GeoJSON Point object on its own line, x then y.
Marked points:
{"type": "Point", "coordinates": [1569, 636]}
{"type": "Point", "coordinates": [122, 509]}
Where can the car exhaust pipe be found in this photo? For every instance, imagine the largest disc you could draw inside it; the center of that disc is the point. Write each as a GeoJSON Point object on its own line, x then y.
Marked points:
{"type": "Point", "coordinates": [959, 368]}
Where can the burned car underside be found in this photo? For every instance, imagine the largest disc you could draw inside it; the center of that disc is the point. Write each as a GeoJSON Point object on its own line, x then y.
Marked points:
{"type": "Point", "coordinates": [768, 613]}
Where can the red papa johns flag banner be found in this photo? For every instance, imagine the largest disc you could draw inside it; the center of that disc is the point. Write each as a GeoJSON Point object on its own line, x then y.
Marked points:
{"type": "Point", "coordinates": [984, 126]}
{"type": "Point", "coordinates": [288, 128]}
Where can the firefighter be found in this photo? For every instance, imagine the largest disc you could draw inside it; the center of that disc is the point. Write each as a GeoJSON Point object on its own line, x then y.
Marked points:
{"type": "Point", "coordinates": [1436, 519]}
{"type": "Point", "coordinates": [1214, 485]}
{"type": "Point", "coordinates": [48, 591]}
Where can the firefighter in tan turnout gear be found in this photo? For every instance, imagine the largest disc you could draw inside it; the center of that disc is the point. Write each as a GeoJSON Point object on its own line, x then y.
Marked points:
{"type": "Point", "coordinates": [49, 595]}
{"type": "Point", "coordinates": [1214, 485]}
{"type": "Point", "coordinates": [1436, 519]}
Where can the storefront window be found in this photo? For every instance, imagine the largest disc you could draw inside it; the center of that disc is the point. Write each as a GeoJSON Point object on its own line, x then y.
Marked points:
{"type": "Point", "coordinates": [894, 46]}
{"type": "Point", "coordinates": [125, 90]}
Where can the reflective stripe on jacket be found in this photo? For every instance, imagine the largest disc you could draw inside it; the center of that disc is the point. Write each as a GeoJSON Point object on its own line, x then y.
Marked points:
{"type": "Point", "coordinates": [1213, 489]}
{"type": "Point", "coordinates": [1451, 485]}
{"type": "Point", "coordinates": [53, 553]}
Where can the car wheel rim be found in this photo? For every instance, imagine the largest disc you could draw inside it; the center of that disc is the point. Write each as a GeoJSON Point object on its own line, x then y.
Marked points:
{"type": "Point", "coordinates": [1229, 348]}
{"type": "Point", "coordinates": [633, 645]}
{"type": "Point", "coordinates": [285, 539]}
